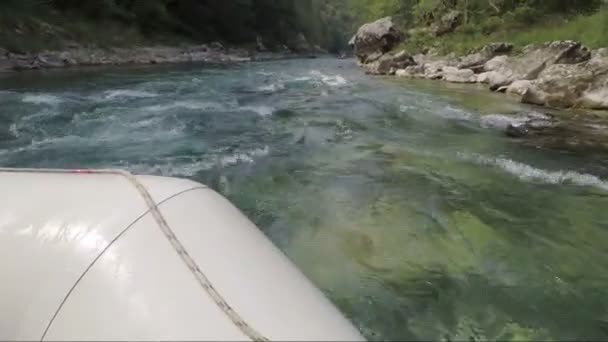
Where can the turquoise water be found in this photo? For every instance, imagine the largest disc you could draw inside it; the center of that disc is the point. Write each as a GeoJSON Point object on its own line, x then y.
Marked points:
{"type": "Point", "coordinates": [403, 201]}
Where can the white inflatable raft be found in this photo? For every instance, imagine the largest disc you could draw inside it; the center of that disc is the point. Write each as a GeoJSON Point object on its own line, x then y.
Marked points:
{"type": "Point", "coordinates": [104, 255]}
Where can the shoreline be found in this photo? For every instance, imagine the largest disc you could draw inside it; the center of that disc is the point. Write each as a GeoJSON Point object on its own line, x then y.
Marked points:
{"type": "Point", "coordinates": [82, 57]}
{"type": "Point", "coordinates": [560, 74]}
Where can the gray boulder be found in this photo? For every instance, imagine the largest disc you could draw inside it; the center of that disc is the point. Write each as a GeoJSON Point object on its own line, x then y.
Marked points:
{"type": "Point", "coordinates": [375, 39]}
{"type": "Point", "coordinates": [533, 60]}
{"type": "Point", "coordinates": [583, 85]}
{"type": "Point", "coordinates": [485, 54]}
{"type": "Point", "coordinates": [388, 64]}
{"type": "Point", "coordinates": [412, 71]}
{"type": "Point", "coordinates": [455, 75]}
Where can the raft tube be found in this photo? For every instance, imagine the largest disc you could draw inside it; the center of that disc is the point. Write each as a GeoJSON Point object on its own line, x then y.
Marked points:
{"type": "Point", "coordinates": [105, 255]}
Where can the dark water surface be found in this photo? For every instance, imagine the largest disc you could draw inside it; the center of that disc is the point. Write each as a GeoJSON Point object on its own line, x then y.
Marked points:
{"type": "Point", "coordinates": [401, 200]}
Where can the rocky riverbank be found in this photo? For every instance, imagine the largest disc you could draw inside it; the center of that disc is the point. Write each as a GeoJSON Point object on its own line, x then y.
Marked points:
{"type": "Point", "coordinates": [85, 56]}
{"type": "Point", "coordinates": [560, 74]}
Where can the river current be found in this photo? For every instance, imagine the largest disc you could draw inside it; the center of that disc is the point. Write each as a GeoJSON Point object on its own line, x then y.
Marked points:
{"type": "Point", "coordinates": [403, 201]}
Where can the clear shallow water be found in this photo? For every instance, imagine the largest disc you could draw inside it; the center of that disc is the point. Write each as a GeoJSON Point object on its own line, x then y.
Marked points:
{"type": "Point", "coordinates": [401, 200]}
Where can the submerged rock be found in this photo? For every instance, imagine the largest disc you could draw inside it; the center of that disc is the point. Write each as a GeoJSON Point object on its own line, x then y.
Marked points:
{"type": "Point", "coordinates": [516, 130]}
{"type": "Point", "coordinates": [519, 125]}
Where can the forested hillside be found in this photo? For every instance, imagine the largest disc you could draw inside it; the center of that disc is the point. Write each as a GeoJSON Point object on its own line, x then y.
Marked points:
{"type": "Point", "coordinates": [35, 24]}
{"type": "Point", "coordinates": [456, 25]}
{"type": "Point", "coordinates": [460, 25]}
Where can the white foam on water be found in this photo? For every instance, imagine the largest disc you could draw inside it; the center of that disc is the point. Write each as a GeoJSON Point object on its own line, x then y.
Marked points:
{"type": "Point", "coordinates": [529, 173]}
{"type": "Point", "coordinates": [128, 93]}
{"type": "Point", "coordinates": [46, 142]}
{"type": "Point", "coordinates": [171, 169]}
{"type": "Point", "coordinates": [189, 169]}
{"type": "Point", "coordinates": [450, 112]}
{"type": "Point", "coordinates": [42, 99]}
{"type": "Point", "coordinates": [404, 108]}
{"type": "Point", "coordinates": [501, 121]}
{"type": "Point", "coordinates": [302, 79]}
{"type": "Point", "coordinates": [13, 130]}
{"type": "Point", "coordinates": [333, 81]}
{"type": "Point", "coordinates": [243, 157]}
{"type": "Point", "coordinates": [146, 123]}
{"type": "Point", "coordinates": [272, 88]}
{"type": "Point", "coordinates": [192, 105]}
{"type": "Point", "coordinates": [260, 110]}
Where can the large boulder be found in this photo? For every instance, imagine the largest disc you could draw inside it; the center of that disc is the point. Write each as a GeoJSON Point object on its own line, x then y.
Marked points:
{"type": "Point", "coordinates": [485, 54]}
{"type": "Point", "coordinates": [583, 85]}
{"type": "Point", "coordinates": [389, 63]}
{"type": "Point", "coordinates": [455, 75]}
{"type": "Point", "coordinates": [432, 67]}
{"type": "Point", "coordinates": [533, 60]}
{"type": "Point", "coordinates": [375, 39]}
{"type": "Point", "coordinates": [412, 71]}
{"type": "Point", "coordinates": [447, 23]}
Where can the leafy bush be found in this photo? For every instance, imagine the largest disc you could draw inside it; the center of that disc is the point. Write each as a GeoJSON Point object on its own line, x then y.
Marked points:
{"type": "Point", "coordinates": [470, 29]}
{"type": "Point", "coordinates": [524, 15]}
{"type": "Point", "coordinates": [491, 25]}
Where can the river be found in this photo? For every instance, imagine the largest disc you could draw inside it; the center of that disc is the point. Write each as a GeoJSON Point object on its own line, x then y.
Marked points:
{"type": "Point", "coordinates": [399, 199]}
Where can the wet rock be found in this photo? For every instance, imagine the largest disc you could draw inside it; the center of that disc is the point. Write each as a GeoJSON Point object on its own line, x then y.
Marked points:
{"type": "Point", "coordinates": [519, 125]}
{"type": "Point", "coordinates": [431, 67]}
{"type": "Point", "coordinates": [375, 39]}
{"type": "Point", "coordinates": [412, 71]}
{"type": "Point", "coordinates": [516, 130]}
{"type": "Point", "coordinates": [583, 85]}
{"type": "Point", "coordinates": [388, 64]}
{"type": "Point", "coordinates": [595, 99]}
{"type": "Point", "coordinates": [50, 61]}
{"type": "Point", "coordinates": [533, 60]}
{"type": "Point", "coordinates": [518, 87]}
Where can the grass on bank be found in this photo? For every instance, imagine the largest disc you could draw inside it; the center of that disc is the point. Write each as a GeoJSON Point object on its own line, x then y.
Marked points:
{"type": "Point", "coordinates": [591, 30]}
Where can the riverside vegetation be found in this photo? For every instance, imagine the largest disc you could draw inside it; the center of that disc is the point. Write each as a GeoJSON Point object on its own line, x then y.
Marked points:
{"type": "Point", "coordinates": [57, 33]}
{"type": "Point", "coordinates": [561, 73]}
